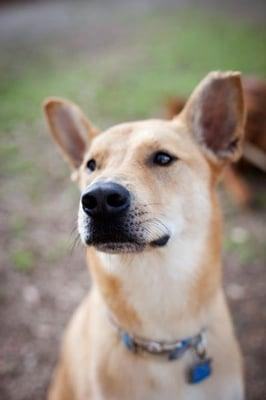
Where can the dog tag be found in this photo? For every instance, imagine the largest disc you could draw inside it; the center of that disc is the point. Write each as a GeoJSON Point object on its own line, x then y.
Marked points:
{"type": "Point", "coordinates": [128, 341]}
{"type": "Point", "coordinates": [200, 371]}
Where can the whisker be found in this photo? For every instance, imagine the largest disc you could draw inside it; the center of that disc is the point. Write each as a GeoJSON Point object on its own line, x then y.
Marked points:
{"type": "Point", "coordinates": [75, 237]}
{"type": "Point", "coordinates": [151, 204]}
{"type": "Point", "coordinates": [162, 223]}
{"type": "Point", "coordinates": [155, 226]}
{"type": "Point", "coordinates": [76, 242]}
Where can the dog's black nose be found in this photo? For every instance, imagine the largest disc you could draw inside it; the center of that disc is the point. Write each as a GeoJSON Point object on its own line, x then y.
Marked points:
{"type": "Point", "coordinates": [105, 198]}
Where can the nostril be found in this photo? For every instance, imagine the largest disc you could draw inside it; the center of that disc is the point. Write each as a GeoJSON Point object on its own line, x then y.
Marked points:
{"type": "Point", "coordinates": [105, 198]}
{"type": "Point", "coordinates": [115, 200]}
{"type": "Point", "coordinates": [89, 202]}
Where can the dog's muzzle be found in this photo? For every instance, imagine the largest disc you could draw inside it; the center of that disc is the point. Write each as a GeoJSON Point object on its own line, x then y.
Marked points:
{"type": "Point", "coordinates": [110, 221]}
{"type": "Point", "coordinates": [111, 225]}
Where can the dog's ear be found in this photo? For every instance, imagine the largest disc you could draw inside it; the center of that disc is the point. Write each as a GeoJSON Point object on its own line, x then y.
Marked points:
{"type": "Point", "coordinates": [215, 114]}
{"type": "Point", "coordinates": [71, 130]}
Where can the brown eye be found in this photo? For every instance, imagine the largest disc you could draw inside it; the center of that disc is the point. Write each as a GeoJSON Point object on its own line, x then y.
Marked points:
{"type": "Point", "coordinates": [163, 159]}
{"type": "Point", "coordinates": [91, 165]}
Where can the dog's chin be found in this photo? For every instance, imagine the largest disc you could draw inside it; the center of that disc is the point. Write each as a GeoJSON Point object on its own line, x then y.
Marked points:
{"type": "Point", "coordinates": [119, 247]}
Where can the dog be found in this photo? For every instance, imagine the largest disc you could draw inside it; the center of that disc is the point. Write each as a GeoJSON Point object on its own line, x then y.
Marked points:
{"type": "Point", "coordinates": [155, 324]}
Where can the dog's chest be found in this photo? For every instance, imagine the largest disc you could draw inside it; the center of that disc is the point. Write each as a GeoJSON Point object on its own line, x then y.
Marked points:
{"type": "Point", "coordinates": [132, 377]}
{"type": "Point", "coordinates": [163, 380]}
{"type": "Point", "coordinates": [122, 375]}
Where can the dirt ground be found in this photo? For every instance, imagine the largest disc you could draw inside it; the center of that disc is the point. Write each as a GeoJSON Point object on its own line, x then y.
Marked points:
{"type": "Point", "coordinates": [39, 291]}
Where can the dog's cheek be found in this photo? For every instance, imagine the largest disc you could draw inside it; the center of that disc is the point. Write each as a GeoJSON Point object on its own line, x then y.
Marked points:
{"type": "Point", "coordinates": [198, 208]}
{"type": "Point", "coordinates": [175, 217]}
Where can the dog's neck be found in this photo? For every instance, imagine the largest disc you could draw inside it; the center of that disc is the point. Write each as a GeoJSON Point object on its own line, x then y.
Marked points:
{"type": "Point", "coordinates": [162, 293]}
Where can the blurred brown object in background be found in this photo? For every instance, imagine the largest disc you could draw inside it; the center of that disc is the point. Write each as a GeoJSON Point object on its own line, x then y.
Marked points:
{"type": "Point", "coordinates": [255, 135]}
{"type": "Point", "coordinates": [174, 106]}
{"type": "Point", "coordinates": [254, 153]}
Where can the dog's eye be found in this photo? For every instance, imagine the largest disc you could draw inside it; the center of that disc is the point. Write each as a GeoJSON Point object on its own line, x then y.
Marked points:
{"type": "Point", "coordinates": [162, 158]}
{"type": "Point", "coordinates": [91, 165]}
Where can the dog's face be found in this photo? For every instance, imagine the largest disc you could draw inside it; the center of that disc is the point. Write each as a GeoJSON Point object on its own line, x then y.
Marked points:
{"type": "Point", "coordinates": [139, 182]}
{"type": "Point", "coordinates": [145, 183]}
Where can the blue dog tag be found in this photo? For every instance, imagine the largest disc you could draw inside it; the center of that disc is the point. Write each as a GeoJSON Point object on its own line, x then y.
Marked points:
{"type": "Point", "coordinates": [128, 341]}
{"type": "Point", "coordinates": [200, 371]}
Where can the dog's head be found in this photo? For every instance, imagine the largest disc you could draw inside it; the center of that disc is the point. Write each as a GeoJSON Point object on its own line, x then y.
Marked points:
{"type": "Point", "coordinates": [145, 183]}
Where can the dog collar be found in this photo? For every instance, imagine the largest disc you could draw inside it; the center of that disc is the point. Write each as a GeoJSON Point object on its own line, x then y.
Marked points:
{"type": "Point", "coordinates": [200, 369]}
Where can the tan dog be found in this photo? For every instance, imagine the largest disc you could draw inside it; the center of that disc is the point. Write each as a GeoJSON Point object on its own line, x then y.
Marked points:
{"type": "Point", "coordinates": [150, 219]}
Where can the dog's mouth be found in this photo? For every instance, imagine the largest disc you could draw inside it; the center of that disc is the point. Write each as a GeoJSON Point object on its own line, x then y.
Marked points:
{"type": "Point", "coordinates": [130, 246]}
{"type": "Point", "coordinates": [161, 241]}
{"type": "Point", "coordinates": [114, 238]}
{"type": "Point", "coordinates": [127, 235]}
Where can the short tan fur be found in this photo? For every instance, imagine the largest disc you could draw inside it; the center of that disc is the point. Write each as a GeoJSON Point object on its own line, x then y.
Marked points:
{"type": "Point", "coordinates": [164, 292]}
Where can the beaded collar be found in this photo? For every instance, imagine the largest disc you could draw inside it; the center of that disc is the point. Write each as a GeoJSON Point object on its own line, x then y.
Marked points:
{"type": "Point", "coordinates": [200, 369]}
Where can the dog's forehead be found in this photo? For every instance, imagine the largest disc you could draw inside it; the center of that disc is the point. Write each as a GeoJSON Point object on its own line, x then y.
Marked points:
{"type": "Point", "coordinates": [150, 133]}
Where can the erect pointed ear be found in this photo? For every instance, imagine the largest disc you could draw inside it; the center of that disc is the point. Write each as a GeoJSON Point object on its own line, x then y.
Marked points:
{"type": "Point", "coordinates": [69, 127]}
{"type": "Point", "coordinates": [215, 114]}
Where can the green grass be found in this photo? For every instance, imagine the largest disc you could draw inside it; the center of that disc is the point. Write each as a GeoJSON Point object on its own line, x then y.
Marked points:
{"type": "Point", "coordinates": [23, 260]}
{"type": "Point", "coordinates": [246, 250]}
{"type": "Point", "coordinates": [173, 53]}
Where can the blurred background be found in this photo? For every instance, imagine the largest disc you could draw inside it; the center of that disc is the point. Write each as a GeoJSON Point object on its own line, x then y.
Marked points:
{"type": "Point", "coordinates": [118, 60]}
